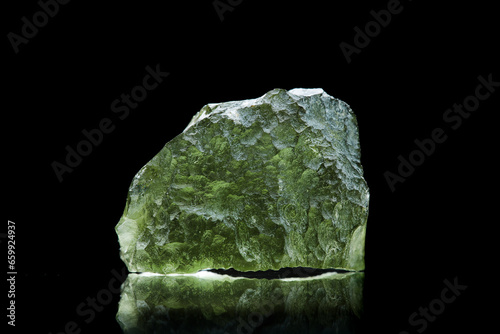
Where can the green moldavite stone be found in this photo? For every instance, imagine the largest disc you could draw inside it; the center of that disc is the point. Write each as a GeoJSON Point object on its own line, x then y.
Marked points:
{"type": "Point", "coordinates": [258, 184]}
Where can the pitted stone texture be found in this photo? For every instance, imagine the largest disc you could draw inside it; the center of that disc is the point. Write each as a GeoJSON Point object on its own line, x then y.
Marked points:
{"type": "Point", "coordinates": [258, 184]}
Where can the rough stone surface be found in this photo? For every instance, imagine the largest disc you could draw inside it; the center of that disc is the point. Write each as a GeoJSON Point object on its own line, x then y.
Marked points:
{"type": "Point", "coordinates": [330, 303]}
{"type": "Point", "coordinates": [258, 184]}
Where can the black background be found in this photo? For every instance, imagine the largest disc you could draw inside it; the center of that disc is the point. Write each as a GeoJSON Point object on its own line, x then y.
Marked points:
{"type": "Point", "coordinates": [436, 225]}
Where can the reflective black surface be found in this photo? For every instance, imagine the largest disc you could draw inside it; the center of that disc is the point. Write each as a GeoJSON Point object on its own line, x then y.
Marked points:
{"type": "Point", "coordinates": [212, 303]}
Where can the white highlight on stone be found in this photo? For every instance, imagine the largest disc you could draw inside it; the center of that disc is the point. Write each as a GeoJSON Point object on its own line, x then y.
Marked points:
{"type": "Point", "coordinates": [306, 91]}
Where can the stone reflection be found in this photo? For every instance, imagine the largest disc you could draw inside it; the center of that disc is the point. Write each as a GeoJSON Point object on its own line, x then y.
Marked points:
{"type": "Point", "coordinates": [329, 303]}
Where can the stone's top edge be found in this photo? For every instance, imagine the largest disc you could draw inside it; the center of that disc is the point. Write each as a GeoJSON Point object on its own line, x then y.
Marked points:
{"type": "Point", "coordinates": [231, 108]}
{"type": "Point", "coordinates": [297, 92]}
{"type": "Point", "coordinates": [306, 91]}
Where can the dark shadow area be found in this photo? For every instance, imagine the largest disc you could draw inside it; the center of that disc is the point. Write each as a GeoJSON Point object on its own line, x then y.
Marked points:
{"type": "Point", "coordinates": [278, 274]}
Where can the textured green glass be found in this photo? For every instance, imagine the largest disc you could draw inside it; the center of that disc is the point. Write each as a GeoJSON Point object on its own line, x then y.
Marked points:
{"type": "Point", "coordinates": [330, 303]}
{"type": "Point", "coordinates": [258, 184]}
